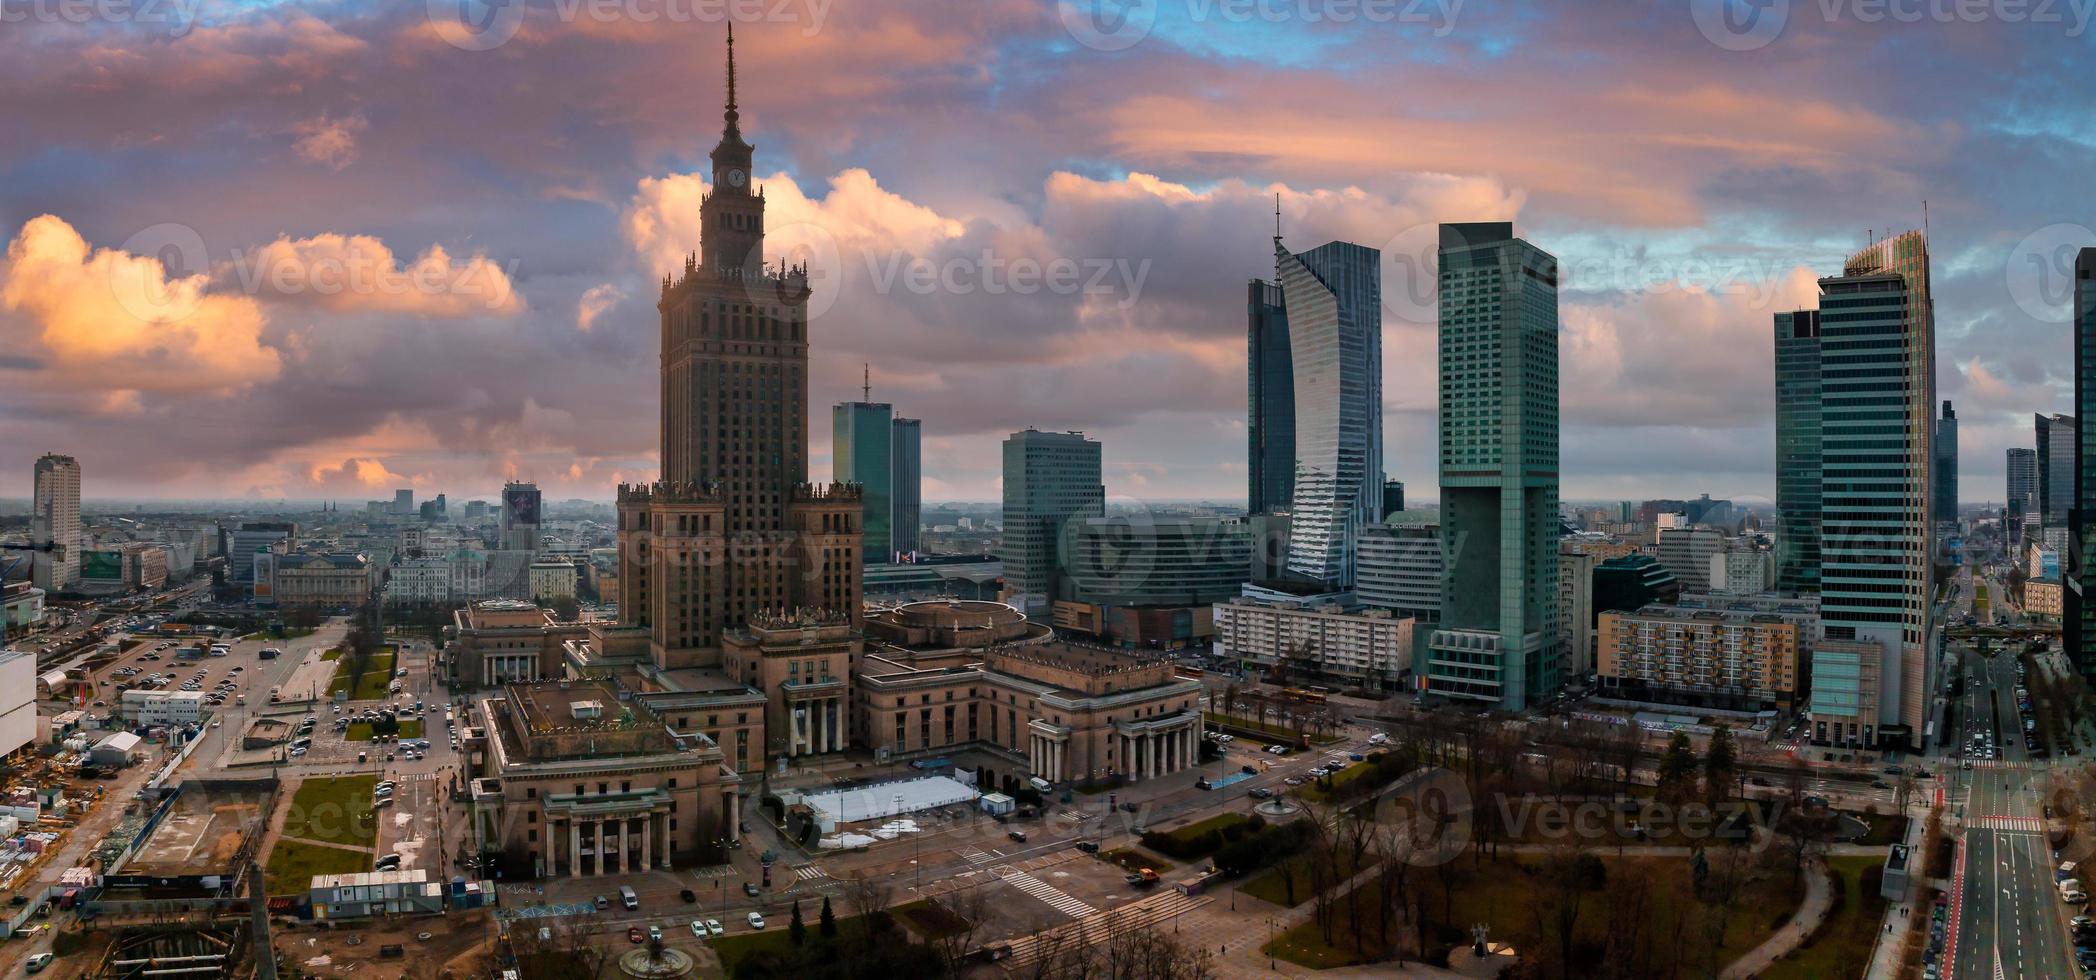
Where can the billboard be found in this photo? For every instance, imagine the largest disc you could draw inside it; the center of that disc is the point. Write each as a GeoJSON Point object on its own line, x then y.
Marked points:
{"type": "Point", "coordinates": [520, 505]}
{"type": "Point", "coordinates": [102, 565]}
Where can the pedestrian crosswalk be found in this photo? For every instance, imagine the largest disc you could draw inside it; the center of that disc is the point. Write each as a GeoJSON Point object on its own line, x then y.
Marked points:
{"type": "Point", "coordinates": [1098, 926]}
{"type": "Point", "coordinates": [810, 873]}
{"type": "Point", "coordinates": [2007, 764]}
{"type": "Point", "coordinates": [976, 855]}
{"type": "Point", "coordinates": [2026, 824]}
{"type": "Point", "coordinates": [1055, 898]}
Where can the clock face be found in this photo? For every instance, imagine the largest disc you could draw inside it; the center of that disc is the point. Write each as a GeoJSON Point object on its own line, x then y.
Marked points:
{"type": "Point", "coordinates": [736, 176]}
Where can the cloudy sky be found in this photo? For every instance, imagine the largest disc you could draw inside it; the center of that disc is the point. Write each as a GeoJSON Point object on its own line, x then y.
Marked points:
{"type": "Point", "coordinates": [326, 249]}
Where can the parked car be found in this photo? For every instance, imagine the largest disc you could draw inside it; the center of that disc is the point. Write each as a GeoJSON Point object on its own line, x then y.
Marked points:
{"type": "Point", "coordinates": [756, 921]}
{"type": "Point", "coordinates": [714, 927]}
{"type": "Point", "coordinates": [1017, 835]}
{"type": "Point", "coordinates": [750, 889]}
{"type": "Point", "coordinates": [36, 963]}
{"type": "Point", "coordinates": [1088, 847]}
{"type": "Point", "coordinates": [634, 935]}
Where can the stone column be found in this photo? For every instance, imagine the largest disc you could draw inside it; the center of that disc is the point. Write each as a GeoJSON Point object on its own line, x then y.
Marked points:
{"type": "Point", "coordinates": [1055, 763]}
{"type": "Point", "coordinates": [647, 842]}
{"type": "Point", "coordinates": [574, 848]}
{"type": "Point", "coordinates": [734, 818]}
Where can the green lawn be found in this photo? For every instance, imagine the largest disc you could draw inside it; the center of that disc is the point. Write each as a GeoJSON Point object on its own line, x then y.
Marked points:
{"type": "Point", "coordinates": [1261, 731]}
{"type": "Point", "coordinates": [334, 809]}
{"type": "Point", "coordinates": [372, 686]}
{"type": "Point", "coordinates": [1843, 947]}
{"type": "Point", "coordinates": [292, 865]}
{"type": "Point", "coordinates": [360, 731]}
{"type": "Point", "coordinates": [335, 654]}
{"type": "Point", "coordinates": [927, 918]}
{"type": "Point", "coordinates": [1272, 886]}
{"type": "Point", "coordinates": [733, 947]}
{"type": "Point", "coordinates": [1216, 823]}
{"type": "Point", "coordinates": [1314, 789]}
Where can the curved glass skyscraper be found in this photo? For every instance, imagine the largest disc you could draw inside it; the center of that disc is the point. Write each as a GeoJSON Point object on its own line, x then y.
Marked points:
{"type": "Point", "coordinates": [1334, 300]}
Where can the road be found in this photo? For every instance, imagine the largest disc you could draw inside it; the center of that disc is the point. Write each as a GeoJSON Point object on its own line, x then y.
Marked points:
{"type": "Point", "coordinates": [2010, 921]}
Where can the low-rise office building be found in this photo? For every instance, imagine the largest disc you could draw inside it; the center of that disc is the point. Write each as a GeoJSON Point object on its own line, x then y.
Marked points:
{"type": "Point", "coordinates": [150, 708]}
{"type": "Point", "coordinates": [2041, 597]}
{"type": "Point", "coordinates": [322, 580]}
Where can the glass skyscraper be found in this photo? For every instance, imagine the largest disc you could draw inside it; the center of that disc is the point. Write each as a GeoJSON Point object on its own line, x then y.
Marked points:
{"type": "Point", "coordinates": [2023, 493]}
{"type": "Point", "coordinates": [862, 452]}
{"type": "Point", "coordinates": [1797, 452]}
{"type": "Point", "coordinates": [1334, 306]}
{"type": "Point", "coordinates": [1269, 401]}
{"type": "Point", "coordinates": [1877, 401]}
{"type": "Point", "coordinates": [1051, 482]}
{"type": "Point", "coordinates": [906, 459]}
{"type": "Point", "coordinates": [1499, 469]}
{"type": "Point", "coordinates": [2078, 613]}
{"type": "Point", "coordinates": [2056, 444]}
{"type": "Point", "coordinates": [1946, 472]}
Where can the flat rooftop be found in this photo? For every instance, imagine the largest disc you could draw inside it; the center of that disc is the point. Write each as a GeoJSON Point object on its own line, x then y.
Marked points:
{"type": "Point", "coordinates": [202, 833]}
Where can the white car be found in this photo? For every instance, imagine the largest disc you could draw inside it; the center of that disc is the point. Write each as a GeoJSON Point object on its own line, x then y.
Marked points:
{"type": "Point", "coordinates": [756, 921]}
{"type": "Point", "coordinates": [713, 926]}
{"type": "Point", "coordinates": [698, 928]}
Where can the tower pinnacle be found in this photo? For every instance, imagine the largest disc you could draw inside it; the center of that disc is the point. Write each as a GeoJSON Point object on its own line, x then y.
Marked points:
{"type": "Point", "coordinates": [731, 115]}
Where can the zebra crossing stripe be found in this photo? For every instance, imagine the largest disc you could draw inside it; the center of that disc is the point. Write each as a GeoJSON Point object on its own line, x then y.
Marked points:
{"type": "Point", "coordinates": [1049, 895]}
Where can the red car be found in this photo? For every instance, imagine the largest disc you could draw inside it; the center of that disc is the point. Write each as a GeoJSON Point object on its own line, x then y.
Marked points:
{"type": "Point", "coordinates": [634, 935]}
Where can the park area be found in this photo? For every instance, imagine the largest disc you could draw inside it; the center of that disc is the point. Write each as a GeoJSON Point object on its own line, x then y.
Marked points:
{"type": "Point", "coordinates": [1567, 911]}
{"type": "Point", "coordinates": [328, 830]}
{"type": "Point", "coordinates": [370, 679]}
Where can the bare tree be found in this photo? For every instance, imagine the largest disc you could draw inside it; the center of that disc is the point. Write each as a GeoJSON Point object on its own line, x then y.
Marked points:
{"type": "Point", "coordinates": [970, 907]}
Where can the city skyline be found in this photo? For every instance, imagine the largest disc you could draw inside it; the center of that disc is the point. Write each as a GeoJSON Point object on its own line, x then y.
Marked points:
{"type": "Point", "coordinates": [547, 269]}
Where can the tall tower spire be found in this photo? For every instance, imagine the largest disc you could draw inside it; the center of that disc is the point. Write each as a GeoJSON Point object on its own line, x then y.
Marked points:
{"type": "Point", "coordinates": [732, 117]}
{"type": "Point", "coordinates": [866, 382]}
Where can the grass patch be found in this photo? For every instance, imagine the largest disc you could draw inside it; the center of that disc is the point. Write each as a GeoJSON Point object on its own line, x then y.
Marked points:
{"type": "Point", "coordinates": [1841, 946]}
{"type": "Point", "coordinates": [1260, 731]}
{"type": "Point", "coordinates": [360, 731]}
{"type": "Point", "coordinates": [1273, 885]}
{"type": "Point", "coordinates": [735, 947]}
{"type": "Point", "coordinates": [929, 919]}
{"type": "Point", "coordinates": [1316, 788]}
{"type": "Point", "coordinates": [334, 654]}
{"type": "Point", "coordinates": [1134, 859]}
{"type": "Point", "coordinates": [372, 685]}
{"type": "Point", "coordinates": [1198, 840]}
{"type": "Point", "coordinates": [333, 809]}
{"type": "Point", "coordinates": [292, 865]}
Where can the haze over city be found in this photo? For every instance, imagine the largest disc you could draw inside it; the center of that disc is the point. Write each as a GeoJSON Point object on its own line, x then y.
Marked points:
{"type": "Point", "coordinates": [1151, 489]}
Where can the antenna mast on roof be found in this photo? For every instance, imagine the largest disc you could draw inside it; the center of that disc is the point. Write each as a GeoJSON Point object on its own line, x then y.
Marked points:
{"type": "Point", "coordinates": [866, 383]}
{"type": "Point", "coordinates": [1277, 216]}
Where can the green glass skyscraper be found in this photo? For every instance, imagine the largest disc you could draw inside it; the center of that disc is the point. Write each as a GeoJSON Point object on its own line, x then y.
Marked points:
{"type": "Point", "coordinates": [1797, 452]}
{"type": "Point", "coordinates": [861, 452]}
{"type": "Point", "coordinates": [2078, 614]}
{"type": "Point", "coordinates": [1497, 642]}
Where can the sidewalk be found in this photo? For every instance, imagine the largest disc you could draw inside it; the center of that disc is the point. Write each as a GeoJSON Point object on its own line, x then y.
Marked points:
{"type": "Point", "coordinates": [1818, 899]}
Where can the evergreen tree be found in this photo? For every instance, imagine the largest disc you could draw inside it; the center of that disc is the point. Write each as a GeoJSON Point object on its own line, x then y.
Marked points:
{"type": "Point", "coordinates": [1677, 769]}
{"type": "Point", "coordinates": [1720, 764]}
{"type": "Point", "coordinates": [797, 931]}
{"type": "Point", "coordinates": [826, 925]}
